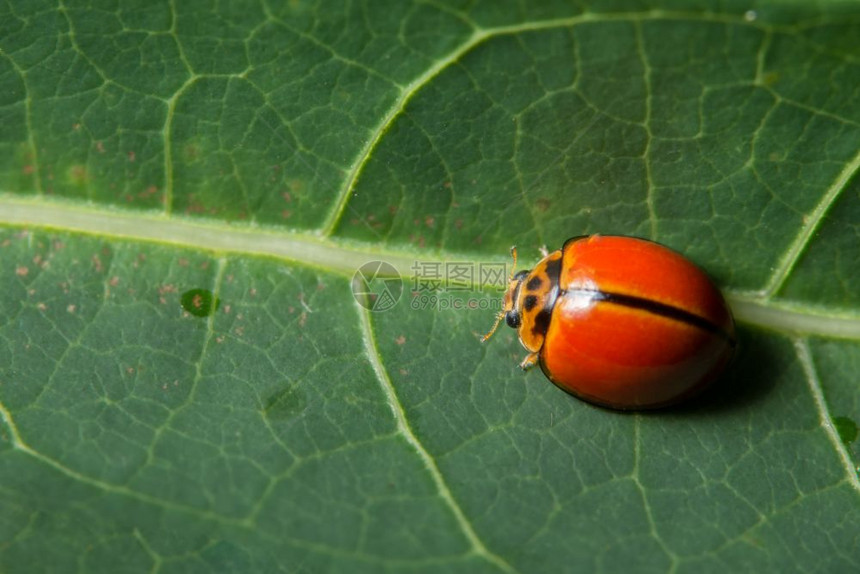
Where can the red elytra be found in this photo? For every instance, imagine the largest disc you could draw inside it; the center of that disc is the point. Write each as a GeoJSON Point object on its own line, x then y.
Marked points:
{"type": "Point", "coordinates": [620, 322]}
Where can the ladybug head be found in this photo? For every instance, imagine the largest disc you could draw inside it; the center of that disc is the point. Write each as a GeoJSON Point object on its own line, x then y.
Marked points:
{"type": "Point", "coordinates": [509, 312]}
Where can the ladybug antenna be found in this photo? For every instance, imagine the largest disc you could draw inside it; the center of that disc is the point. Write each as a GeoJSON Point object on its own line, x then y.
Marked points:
{"type": "Point", "coordinates": [499, 317]}
{"type": "Point", "coordinates": [501, 314]}
{"type": "Point", "coordinates": [514, 264]}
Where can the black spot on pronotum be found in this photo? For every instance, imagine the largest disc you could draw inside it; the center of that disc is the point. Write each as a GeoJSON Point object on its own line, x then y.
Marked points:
{"type": "Point", "coordinates": [541, 324]}
{"type": "Point", "coordinates": [529, 302]}
{"type": "Point", "coordinates": [534, 283]}
{"type": "Point", "coordinates": [553, 270]}
{"type": "Point", "coordinates": [199, 302]}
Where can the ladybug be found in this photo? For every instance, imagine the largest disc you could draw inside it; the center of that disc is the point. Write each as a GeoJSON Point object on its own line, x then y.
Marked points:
{"type": "Point", "coordinates": [620, 322]}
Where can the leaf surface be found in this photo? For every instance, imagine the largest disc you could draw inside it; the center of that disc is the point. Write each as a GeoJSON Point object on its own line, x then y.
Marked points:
{"type": "Point", "coordinates": [188, 382]}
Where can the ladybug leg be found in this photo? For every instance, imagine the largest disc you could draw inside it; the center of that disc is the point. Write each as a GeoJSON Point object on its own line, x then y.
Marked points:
{"type": "Point", "coordinates": [529, 361]}
{"type": "Point", "coordinates": [543, 250]}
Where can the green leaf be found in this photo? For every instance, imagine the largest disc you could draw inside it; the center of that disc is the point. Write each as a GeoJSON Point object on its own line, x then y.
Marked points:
{"type": "Point", "coordinates": [188, 382]}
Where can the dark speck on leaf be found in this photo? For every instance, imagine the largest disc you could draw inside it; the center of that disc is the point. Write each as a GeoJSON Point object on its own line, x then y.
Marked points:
{"type": "Point", "coordinates": [199, 302]}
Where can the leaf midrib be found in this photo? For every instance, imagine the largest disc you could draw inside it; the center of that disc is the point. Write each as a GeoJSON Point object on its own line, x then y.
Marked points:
{"type": "Point", "coordinates": [343, 257]}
